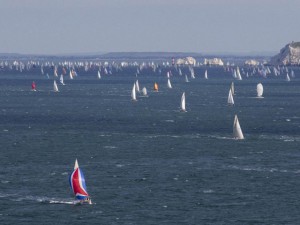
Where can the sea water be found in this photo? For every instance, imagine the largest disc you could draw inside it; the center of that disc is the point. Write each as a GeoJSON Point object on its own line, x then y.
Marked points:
{"type": "Point", "coordinates": [146, 162]}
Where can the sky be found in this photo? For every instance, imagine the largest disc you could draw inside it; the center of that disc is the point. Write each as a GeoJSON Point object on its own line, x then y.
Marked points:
{"type": "Point", "coordinates": [201, 26]}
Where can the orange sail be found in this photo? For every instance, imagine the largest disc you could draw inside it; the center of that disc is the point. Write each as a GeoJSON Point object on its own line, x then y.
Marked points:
{"type": "Point", "coordinates": [155, 87]}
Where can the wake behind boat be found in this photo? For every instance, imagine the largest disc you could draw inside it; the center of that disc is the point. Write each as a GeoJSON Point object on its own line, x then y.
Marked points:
{"type": "Point", "coordinates": [78, 186]}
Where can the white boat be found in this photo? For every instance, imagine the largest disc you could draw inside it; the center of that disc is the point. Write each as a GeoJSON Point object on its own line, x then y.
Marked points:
{"type": "Point", "coordinates": [287, 78]}
{"type": "Point", "coordinates": [186, 79]}
{"type": "Point", "coordinates": [232, 88]}
{"type": "Point", "coordinates": [55, 88]}
{"type": "Point", "coordinates": [237, 130]}
{"type": "Point", "coordinates": [99, 75]}
{"type": "Point", "coordinates": [182, 103]}
{"type": "Point", "coordinates": [205, 75]}
{"type": "Point", "coordinates": [144, 91]}
{"type": "Point", "coordinates": [55, 72]}
{"type": "Point", "coordinates": [169, 83]}
{"type": "Point", "coordinates": [71, 75]}
{"type": "Point", "coordinates": [238, 74]}
{"type": "Point", "coordinates": [61, 79]}
{"type": "Point", "coordinates": [192, 72]}
{"type": "Point", "coordinates": [230, 100]}
{"type": "Point", "coordinates": [137, 86]}
{"type": "Point", "coordinates": [133, 93]}
{"type": "Point", "coordinates": [179, 72]}
{"type": "Point", "coordinates": [259, 90]}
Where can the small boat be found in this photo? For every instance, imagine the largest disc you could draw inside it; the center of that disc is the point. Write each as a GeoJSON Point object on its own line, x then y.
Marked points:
{"type": "Point", "coordinates": [55, 88]}
{"type": "Point", "coordinates": [61, 79]}
{"type": "Point", "coordinates": [55, 72]}
{"type": "Point", "coordinates": [99, 75]}
{"type": "Point", "coordinates": [144, 91]}
{"type": "Point", "coordinates": [169, 84]}
{"type": "Point", "coordinates": [71, 75]}
{"type": "Point", "coordinates": [232, 88]}
{"type": "Point", "coordinates": [238, 74]}
{"type": "Point", "coordinates": [137, 86]}
{"type": "Point", "coordinates": [259, 90]}
{"type": "Point", "coordinates": [230, 100]}
{"type": "Point", "coordinates": [33, 86]}
{"type": "Point", "coordinates": [155, 88]}
{"type": "Point", "coordinates": [186, 79]}
{"type": "Point", "coordinates": [133, 93]}
{"type": "Point", "coordinates": [182, 103]}
{"type": "Point", "coordinates": [205, 75]}
{"type": "Point", "coordinates": [78, 186]}
{"type": "Point", "coordinates": [287, 78]}
{"type": "Point", "coordinates": [237, 130]}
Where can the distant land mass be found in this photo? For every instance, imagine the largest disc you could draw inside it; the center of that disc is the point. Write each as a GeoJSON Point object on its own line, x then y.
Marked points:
{"type": "Point", "coordinates": [288, 55]}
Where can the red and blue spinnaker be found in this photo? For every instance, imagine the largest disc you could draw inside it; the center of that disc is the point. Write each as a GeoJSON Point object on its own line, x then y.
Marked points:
{"type": "Point", "coordinates": [77, 183]}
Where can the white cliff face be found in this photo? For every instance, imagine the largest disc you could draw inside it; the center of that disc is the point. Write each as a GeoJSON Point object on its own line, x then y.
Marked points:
{"type": "Point", "coordinates": [251, 62]}
{"type": "Point", "coordinates": [289, 55]}
{"type": "Point", "coordinates": [214, 61]}
{"type": "Point", "coordinates": [186, 61]}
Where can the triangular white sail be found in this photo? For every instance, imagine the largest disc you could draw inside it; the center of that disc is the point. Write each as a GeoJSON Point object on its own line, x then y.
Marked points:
{"type": "Point", "coordinates": [76, 165]}
{"type": "Point", "coordinates": [137, 86]}
{"type": "Point", "coordinates": [230, 100]}
{"type": "Point", "coordinates": [182, 103]}
{"type": "Point", "coordinates": [133, 93]}
{"type": "Point", "coordinates": [259, 90]}
{"type": "Point", "coordinates": [55, 88]}
{"type": "Point", "coordinates": [238, 74]}
{"type": "Point", "coordinates": [237, 130]}
{"type": "Point", "coordinates": [169, 84]}
{"type": "Point", "coordinates": [287, 78]}
{"type": "Point", "coordinates": [99, 75]}
{"type": "Point", "coordinates": [61, 79]}
{"type": "Point", "coordinates": [144, 90]}
{"type": "Point", "coordinates": [179, 72]}
{"type": "Point", "coordinates": [232, 88]}
{"type": "Point", "coordinates": [186, 78]}
{"type": "Point", "coordinates": [205, 75]}
{"type": "Point", "coordinates": [71, 75]}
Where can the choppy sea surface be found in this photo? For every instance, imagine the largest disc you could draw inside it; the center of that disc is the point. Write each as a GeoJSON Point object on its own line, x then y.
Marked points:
{"type": "Point", "coordinates": [146, 162]}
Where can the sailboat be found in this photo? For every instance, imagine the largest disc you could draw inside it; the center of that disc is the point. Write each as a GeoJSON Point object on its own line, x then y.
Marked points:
{"type": "Point", "coordinates": [137, 86]}
{"type": "Point", "coordinates": [287, 78]}
{"type": "Point", "coordinates": [237, 130]}
{"type": "Point", "coordinates": [33, 86]}
{"type": "Point", "coordinates": [238, 74]}
{"type": "Point", "coordinates": [169, 83]}
{"type": "Point", "coordinates": [205, 75]}
{"type": "Point", "coordinates": [61, 79]}
{"type": "Point", "coordinates": [78, 186]}
{"type": "Point", "coordinates": [182, 103]}
{"type": "Point", "coordinates": [71, 75]}
{"type": "Point", "coordinates": [232, 88]}
{"type": "Point", "coordinates": [55, 88]}
{"type": "Point", "coordinates": [186, 79]}
{"type": "Point", "coordinates": [99, 75]}
{"type": "Point", "coordinates": [155, 88]}
{"type": "Point", "coordinates": [55, 72]}
{"type": "Point", "coordinates": [133, 93]}
{"type": "Point", "coordinates": [230, 100]}
{"type": "Point", "coordinates": [144, 91]}
{"type": "Point", "coordinates": [259, 90]}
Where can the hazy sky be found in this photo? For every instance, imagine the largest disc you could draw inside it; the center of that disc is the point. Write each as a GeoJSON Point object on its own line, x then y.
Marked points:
{"type": "Point", "coordinates": [75, 26]}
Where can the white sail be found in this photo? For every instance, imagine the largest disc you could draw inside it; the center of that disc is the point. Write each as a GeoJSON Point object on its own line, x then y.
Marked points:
{"type": "Point", "coordinates": [232, 88]}
{"type": "Point", "coordinates": [168, 74]}
{"type": "Point", "coordinates": [192, 72]}
{"type": "Point", "coordinates": [259, 90]}
{"type": "Point", "coordinates": [179, 72]}
{"type": "Point", "coordinates": [186, 79]}
{"type": "Point", "coordinates": [237, 130]}
{"type": "Point", "coordinates": [55, 88]}
{"type": "Point", "coordinates": [76, 165]}
{"type": "Point", "coordinates": [238, 74]}
{"type": "Point", "coordinates": [230, 100]}
{"type": "Point", "coordinates": [61, 79]}
{"type": "Point", "coordinates": [287, 78]}
{"type": "Point", "coordinates": [169, 84]}
{"type": "Point", "coordinates": [71, 75]}
{"type": "Point", "coordinates": [133, 93]}
{"type": "Point", "coordinates": [205, 75]}
{"type": "Point", "coordinates": [137, 86]}
{"type": "Point", "coordinates": [55, 72]}
{"type": "Point", "coordinates": [182, 103]}
{"type": "Point", "coordinates": [99, 75]}
{"type": "Point", "coordinates": [144, 90]}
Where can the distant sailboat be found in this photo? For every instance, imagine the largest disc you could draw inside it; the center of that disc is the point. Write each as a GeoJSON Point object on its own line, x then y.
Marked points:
{"type": "Point", "coordinates": [169, 84]}
{"type": "Point", "coordinates": [238, 74]}
{"type": "Point", "coordinates": [144, 91]}
{"type": "Point", "coordinates": [230, 100]}
{"type": "Point", "coordinates": [137, 86]}
{"type": "Point", "coordinates": [205, 75]}
{"type": "Point", "coordinates": [55, 88]}
{"type": "Point", "coordinates": [186, 79]}
{"type": "Point", "coordinates": [155, 88]}
{"type": "Point", "coordinates": [259, 90]}
{"type": "Point", "coordinates": [287, 78]}
{"type": "Point", "coordinates": [55, 72]}
{"type": "Point", "coordinates": [237, 130]}
{"type": "Point", "coordinates": [179, 72]}
{"type": "Point", "coordinates": [78, 186]}
{"type": "Point", "coordinates": [232, 88]}
{"type": "Point", "coordinates": [61, 79]}
{"type": "Point", "coordinates": [133, 93]}
{"type": "Point", "coordinates": [33, 86]}
{"type": "Point", "coordinates": [99, 75]}
{"type": "Point", "coordinates": [71, 75]}
{"type": "Point", "coordinates": [182, 103]}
